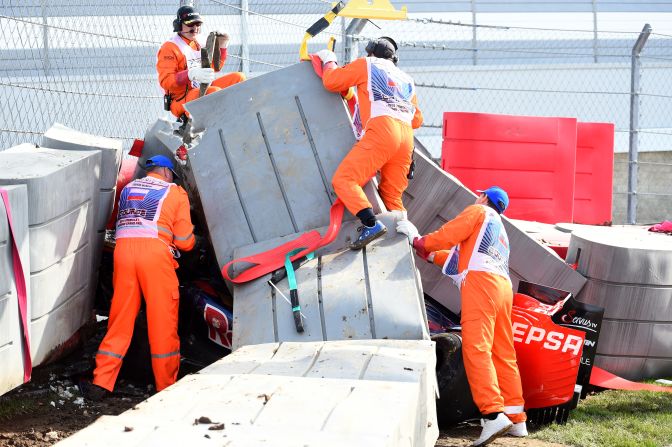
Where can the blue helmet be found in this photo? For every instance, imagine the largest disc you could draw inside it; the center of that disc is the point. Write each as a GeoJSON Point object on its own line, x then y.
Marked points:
{"type": "Point", "coordinates": [161, 161]}
{"type": "Point", "coordinates": [497, 196]}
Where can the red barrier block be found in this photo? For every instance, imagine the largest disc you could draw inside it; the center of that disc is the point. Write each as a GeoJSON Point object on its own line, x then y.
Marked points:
{"type": "Point", "coordinates": [532, 158]}
{"type": "Point", "coordinates": [594, 173]}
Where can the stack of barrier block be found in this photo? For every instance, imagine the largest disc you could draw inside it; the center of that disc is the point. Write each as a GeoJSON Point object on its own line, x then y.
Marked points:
{"type": "Point", "coordinates": [11, 346]}
{"type": "Point", "coordinates": [554, 169]}
{"type": "Point", "coordinates": [63, 191]}
{"type": "Point", "coordinates": [61, 137]}
{"type": "Point", "coordinates": [629, 274]}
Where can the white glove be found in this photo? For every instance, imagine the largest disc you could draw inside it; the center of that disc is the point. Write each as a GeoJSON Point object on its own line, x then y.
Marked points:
{"type": "Point", "coordinates": [326, 56]}
{"type": "Point", "coordinates": [223, 39]}
{"type": "Point", "coordinates": [201, 75]}
{"type": "Point", "coordinates": [407, 228]}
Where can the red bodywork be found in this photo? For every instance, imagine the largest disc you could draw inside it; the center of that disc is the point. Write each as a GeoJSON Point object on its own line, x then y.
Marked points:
{"type": "Point", "coordinates": [549, 355]}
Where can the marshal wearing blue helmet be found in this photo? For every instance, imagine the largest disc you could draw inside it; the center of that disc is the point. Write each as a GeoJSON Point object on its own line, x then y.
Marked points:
{"type": "Point", "coordinates": [473, 250]}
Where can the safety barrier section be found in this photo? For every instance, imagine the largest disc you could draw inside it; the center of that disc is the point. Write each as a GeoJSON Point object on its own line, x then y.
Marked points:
{"type": "Point", "coordinates": [62, 191]}
{"type": "Point", "coordinates": [337, 393]}
{"type": "Point", "coordinates": [628, 273]}
{"type": "Point", "coordinates": [594, 173]}
{"type": "Point", "coordinates": [532, 158]}
{"type": "Point", "coordinates": [264, 163]}
{"type": "Point", "coordinates": [373, 293]}
{"type": "Point", "coordinates": [62, 137]}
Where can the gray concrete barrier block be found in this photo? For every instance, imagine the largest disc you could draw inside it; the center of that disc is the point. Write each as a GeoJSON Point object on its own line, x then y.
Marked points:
{"type": "Point", "coordinates": [53, 240]}
{"type": "Point", "coordinates": [57, 283]}
{"type": "Point", "coordinates": [356, 393]}
{"type": "Point", "coordinates": [636, 339]}
{"type": "Point", "coordinates": [61, 137]}
{"type": "Point", "coordinates": [629, 274]}
{"type": "Point", "coordinates": [344, 294]}
{"type": "Point", "coordinates": [629, 301]}
{"type": "Point", "coordinates": [105, 206]}
{"type": "Point", "coordinates": [11, 349]}
{"type": "Point", "coordinates": [264, 164]}
{"type": "Point", "coordinates": [624, 255]}
{"type": "Point", "coordinates": [61, 323]}
{"type": "Point", "coordinates": [58, 180]}
{"type": "Point", "coordinates": [159, 140]}
{"type": "Point", "coordinates": [63, 192]}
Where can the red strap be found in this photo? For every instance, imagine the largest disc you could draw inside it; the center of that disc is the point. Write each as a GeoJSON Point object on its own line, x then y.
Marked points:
{"type": "Point", "coordinates": [20, 281]}
{"type": "Point", "coordinates": [273, 259]}
{"type": "Point", "coordinates": [605, 379]}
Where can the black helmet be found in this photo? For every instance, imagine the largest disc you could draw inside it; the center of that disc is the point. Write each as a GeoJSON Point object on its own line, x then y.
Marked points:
{"type": "Point", "coordinates": [186, 15]}
{"type": "Point", "coordinates": [384, 48]}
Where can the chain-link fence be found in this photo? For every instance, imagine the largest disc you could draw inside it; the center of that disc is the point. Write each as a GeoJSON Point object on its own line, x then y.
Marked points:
{"type": "Point", "coordinates": [90, 64]}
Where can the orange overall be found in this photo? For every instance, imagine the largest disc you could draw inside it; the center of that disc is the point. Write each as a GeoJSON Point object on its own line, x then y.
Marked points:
{"type": "Point", "coordinates": [173, 66]}
{"type": "Point", "coordinates": [389, 112]}
{"type": "Point", "coordinates": [478, 263]}
{"type": "Point", "coordinates": [153, 218]}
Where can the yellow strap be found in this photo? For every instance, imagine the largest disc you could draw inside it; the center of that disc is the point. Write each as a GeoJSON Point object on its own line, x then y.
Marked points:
{"type": "Point", "coordinates": [317, 28]}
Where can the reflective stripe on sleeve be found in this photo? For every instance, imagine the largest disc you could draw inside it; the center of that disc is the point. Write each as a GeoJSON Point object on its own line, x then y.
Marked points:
{"type": "Point", "coordinates": [163, 356]}
{"type": "Point", "coordinates": [165, 230]}
{"type": "Point", "coordinates": [111, 354]}
{"type": "Point", "coordinates": [187, 237]}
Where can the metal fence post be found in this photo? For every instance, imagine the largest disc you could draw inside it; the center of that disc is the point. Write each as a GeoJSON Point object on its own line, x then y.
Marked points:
{"type": "Point", "coordinates": [354, 28]}
{"type": "Point", "coordinates": [474, 35]}
{"type": "Point", "coordinates": [635, 69]}
{"type": "Point", "coordinates": [244, 38]}
{"type": "Point", "coordinates": [45, 38]}
{"type": "Point", "coordinates": [595, 40]}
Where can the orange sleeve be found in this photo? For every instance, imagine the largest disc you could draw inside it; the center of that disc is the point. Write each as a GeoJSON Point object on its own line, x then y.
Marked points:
{"type": "Point", "coordinates": [169, 65]}
{"type": "Point", "coordinates": [417, 117]}
{"type": "Point", "coordinates": [183, 229]}
{"type": "Point", "coordinates": [457, 230]}
{"type": "Point", "coordinates": [341, 78]}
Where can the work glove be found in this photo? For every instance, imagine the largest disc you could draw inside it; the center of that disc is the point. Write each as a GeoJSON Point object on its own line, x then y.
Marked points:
{"type": "Point", "coordinates": [223, 39]}
{"type": "Point", "coordinates": [326, 56]}
{"type": "Point", "coordinates": [201, 75]}
{"type": "Point", "coordinates": [406, 227]}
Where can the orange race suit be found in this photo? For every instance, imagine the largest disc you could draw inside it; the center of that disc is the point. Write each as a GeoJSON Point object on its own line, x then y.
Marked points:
{"type": "Point", "coordinates": [473, 249]}
{"type": "Point", "coordinates": [389, 112]}
{"type": "Point", "coordinates": [174, 59]}
{"type": "Point", "coordinates": [153, 220]}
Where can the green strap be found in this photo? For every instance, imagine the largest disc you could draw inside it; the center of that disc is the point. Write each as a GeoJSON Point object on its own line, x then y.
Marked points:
{"type": "Point", "coordinates": [291, 277]}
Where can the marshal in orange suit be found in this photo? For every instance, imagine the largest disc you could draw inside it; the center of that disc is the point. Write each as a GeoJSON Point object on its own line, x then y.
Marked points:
{"type": "Point", "coordinates": [153, 223]}
{"type": "Point", "coordinates": [388, 110]}
{"type": "Point", "coordinates": [473, 250]}
{"type": "Point", "coordinates": [179, 63]}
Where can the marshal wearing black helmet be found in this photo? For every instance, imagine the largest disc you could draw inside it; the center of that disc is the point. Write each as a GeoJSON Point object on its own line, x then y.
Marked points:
{"type": "Point", "coordinates": [186, 15]}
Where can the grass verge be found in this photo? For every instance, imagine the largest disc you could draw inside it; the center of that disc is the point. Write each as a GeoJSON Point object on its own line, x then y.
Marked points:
{"type": "Point", "coordinates": [616, 419]}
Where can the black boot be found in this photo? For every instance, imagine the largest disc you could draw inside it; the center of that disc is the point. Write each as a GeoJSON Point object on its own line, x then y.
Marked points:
{"type": "Point", "coordinates": [91, 391]}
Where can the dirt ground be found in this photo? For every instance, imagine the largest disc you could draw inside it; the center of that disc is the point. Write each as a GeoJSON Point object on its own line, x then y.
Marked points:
{"type": "Point", "coordinates": [50, 407]}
